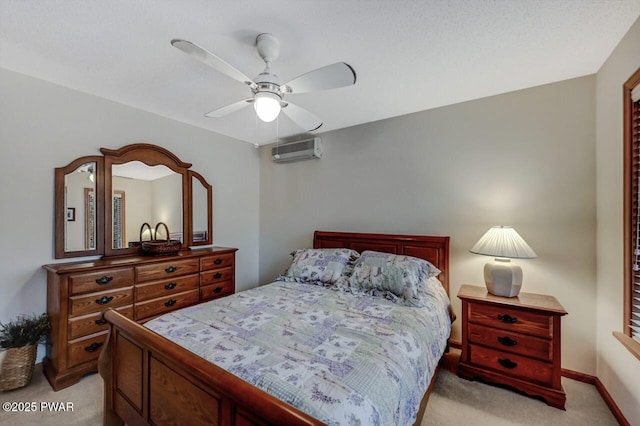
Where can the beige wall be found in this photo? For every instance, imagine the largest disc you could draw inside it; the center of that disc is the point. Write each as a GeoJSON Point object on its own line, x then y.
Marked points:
{"type": "Point", "coordinates": [525, 159]}
{"type": "Point", "coordinates": [618, 370]}
{"type": "Point", "coordinates": [43, 126]}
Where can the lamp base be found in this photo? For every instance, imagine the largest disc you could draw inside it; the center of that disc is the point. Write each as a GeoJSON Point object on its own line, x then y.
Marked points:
{"type": "Point", "coordinates": [503, 277]}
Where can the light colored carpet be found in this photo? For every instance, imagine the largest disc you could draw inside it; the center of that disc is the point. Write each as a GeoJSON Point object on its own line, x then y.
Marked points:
{"type": "Point", "coordinates": [454, 401]}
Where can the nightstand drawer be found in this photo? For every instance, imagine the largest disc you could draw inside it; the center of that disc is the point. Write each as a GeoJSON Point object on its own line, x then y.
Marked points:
{"type": "Point", "coordinates": [507, 318]}
{"type": "Point", "coordinates": [514, 365]}
{"type": "Point", "coordinates": [502, 340]}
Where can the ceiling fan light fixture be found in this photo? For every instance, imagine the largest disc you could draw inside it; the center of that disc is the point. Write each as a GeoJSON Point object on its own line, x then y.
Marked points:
{"type": "Point", "coordinates": [267, 106]}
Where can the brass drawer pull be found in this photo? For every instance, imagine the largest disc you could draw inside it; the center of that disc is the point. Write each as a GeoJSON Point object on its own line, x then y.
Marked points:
{"type": "Point", "coordinates": [507, 341]}
{"type": "Point", "coordinates": [171, 269]}
{"type": "Point", "coordinates": [93, 347]}
{"type": "Point", "coordinates": [217, 275]}
{"type": "Point", "coordinates": [104, 280]}
{"type": "Point", "coordinates": [104, 300]}
{"type": "Point", "coordinates": [217, 290]}
{"type": "Point", "coordinates": [170, 303]}
{"type": "Point", "coordinates": [170, 286]}
{"type": "Point", "coordinates": [507, 319]}
{"type": "Point", "coordinates": [217, 261]}
{"type": "Point", "coordinates": [507, 363]}
{"type": "Point", "coordinates": [101, 322]}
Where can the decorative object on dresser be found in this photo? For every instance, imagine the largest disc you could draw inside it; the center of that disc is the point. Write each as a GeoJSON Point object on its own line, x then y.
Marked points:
{"type": "Point", "coordinates": [513, 342]}
{"type": "Point", "coordinates": [138, 287]}
{"type": "Point", "coordinates": [503, 277]}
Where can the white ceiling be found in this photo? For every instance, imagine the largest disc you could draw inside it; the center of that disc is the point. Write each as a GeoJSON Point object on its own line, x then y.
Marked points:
{"type": "Point", "coordinates": [409, 55]}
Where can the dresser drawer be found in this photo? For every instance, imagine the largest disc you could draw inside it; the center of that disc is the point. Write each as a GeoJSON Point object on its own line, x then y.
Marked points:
{"type": "Point", "coordinates": [162, 288]}
{"type": "Point", "coordinates": [100, 281]}
{"type": "Point", "coordinates": [98, 302]}
{"type": "Point", "coordinates": [87, 349]}
{"type": "Point", "coordinates": [216, 262]}
{"type": "Point", "coordinates": [215, 276]}
{"type": "Point", "coordinates": [507, 318]}
{"type": "Point", "coordinates": [164, 270]}
{"type": "Point", "coordinates": [514, 365]}
{"type": "Point", "coordinates": [216, 290]}
{"type": "Point", "coordinates": [503, 340]}
{"type": "Point", "coordinates": [93, 323]}
{"type": "Point", "coordinates": [166, 304]}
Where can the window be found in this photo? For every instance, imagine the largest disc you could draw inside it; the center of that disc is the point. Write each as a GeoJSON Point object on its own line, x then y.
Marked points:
{"type": "Point", "coordinates": [630, 336]}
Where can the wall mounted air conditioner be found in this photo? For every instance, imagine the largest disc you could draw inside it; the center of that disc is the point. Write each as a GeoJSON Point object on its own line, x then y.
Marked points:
{"type": "Point", "coordinates": [305, 149]}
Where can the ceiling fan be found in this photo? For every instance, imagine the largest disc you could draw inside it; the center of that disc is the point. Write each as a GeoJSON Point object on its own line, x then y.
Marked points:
{"type": "Point", "coordinates": [267, 90]}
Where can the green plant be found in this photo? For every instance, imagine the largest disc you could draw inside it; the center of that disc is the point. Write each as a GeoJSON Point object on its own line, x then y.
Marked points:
{"type": "Point", "coordinates": [24, 330]}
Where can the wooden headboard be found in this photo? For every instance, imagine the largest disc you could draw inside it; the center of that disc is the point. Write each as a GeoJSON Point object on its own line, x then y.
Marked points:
{"type": "Point", "coordinates": [433, 249]}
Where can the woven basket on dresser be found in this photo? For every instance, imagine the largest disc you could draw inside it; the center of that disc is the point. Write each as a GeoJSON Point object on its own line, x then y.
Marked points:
{"type": "Point", "coordinates": [17, 367]}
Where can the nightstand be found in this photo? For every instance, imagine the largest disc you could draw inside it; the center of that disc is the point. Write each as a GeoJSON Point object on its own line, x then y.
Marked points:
{"type": "Point", "coordinates": [512, 341]}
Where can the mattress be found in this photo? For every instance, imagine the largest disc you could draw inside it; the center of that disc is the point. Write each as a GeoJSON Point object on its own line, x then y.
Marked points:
{"type": "Point", "coordinates": [339, 357]}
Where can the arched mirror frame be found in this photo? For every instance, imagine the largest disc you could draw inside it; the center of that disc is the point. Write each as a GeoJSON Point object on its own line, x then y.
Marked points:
{"type": "Point", "coordinates": [209, 190]}
{"type": "Point", "coordinates": [60, 208]}
{"type": "Point", "coordinates": [151, 155]}
{"type": "Point", "coordinates": [147, 153]}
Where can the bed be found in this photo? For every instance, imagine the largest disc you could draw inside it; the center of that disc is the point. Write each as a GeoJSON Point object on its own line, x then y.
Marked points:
{"type": "Point", "coordinates": [193, 375]}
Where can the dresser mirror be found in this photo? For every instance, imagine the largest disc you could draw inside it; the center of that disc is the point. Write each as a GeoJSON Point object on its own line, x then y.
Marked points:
{"type": "Point", "coordinates": [133, 185]}
{"type": "Point", "coordinates": [201, 217]}
{"type": "Point", "coordinates": [144, 194]}
{"type": "Point", "coordinates": [79, 210]}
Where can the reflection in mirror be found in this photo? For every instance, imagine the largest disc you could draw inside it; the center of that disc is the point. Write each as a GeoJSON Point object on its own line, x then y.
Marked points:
{"type": "Point", "coordinates": [153, 194]}
{"type": "Point", "coordinates": [80, 208]}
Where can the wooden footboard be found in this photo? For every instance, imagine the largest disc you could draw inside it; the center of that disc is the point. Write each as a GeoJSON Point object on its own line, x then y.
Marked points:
{"type": "Point", "coordinates": [150, 380]}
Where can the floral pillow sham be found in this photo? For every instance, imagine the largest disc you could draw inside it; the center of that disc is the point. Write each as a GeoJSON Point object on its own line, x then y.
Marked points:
{"type": "Point", "coordinates": [325, 267]}
{"type": "Point", "coordinates": [399, 278]}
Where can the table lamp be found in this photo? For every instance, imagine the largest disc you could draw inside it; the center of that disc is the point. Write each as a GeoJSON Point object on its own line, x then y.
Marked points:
{"type": "Point", "coordinates": [502, 276]}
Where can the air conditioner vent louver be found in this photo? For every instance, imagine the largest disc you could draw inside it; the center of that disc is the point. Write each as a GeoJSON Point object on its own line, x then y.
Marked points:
{"type": "Point", "coordinates": [306, 149]}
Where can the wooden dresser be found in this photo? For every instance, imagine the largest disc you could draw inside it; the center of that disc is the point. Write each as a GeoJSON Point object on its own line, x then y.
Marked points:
{"type": "Point", "coordinates": [513, 341]}
{"type": "Point", "coordinates": [139, 287]}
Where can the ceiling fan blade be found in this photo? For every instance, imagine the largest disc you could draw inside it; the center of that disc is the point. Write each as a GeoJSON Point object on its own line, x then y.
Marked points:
{"type": "Point", "coordinates": [237, 106]}
{"type": "Point", "coordinates": [333, 76]}
{"type": "Point", "coordinates": [203, 55]}
{"type": "Point", "coordinates": [302, 117]}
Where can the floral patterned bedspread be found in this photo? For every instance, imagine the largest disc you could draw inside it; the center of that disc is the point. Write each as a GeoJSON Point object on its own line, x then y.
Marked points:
{"type": "Point", "coordinates": [341, 358]}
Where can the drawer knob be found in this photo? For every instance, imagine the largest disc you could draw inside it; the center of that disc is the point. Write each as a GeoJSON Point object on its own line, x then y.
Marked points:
{"type": "Point", "coordinates": [104, 280]}
{"type": "Point", "coordinates": [507, 363]}
{"type": "Point", "coordinates": [217, 261]}
{"type": "Point", "coordinates": [171, 269]}
{"type": "Point", "coordinates": [104, 300]}
{"type": "Point", "coordinates": [101, 322]}
{"type": "Point", "coordinates": [170, 286]}
{"type": "Point", "coordinates": [507, 341]}
{"type": "Point", "coordinates": [217, 275]}
{"type": "Point", "coordinates": [217, 290]}
{"type": "Point", "coordinates": [93, 347]}
{"type": "Point", "coordinates": [507, 319]}
{"type": "Point", "coordinates": [169, 303]}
